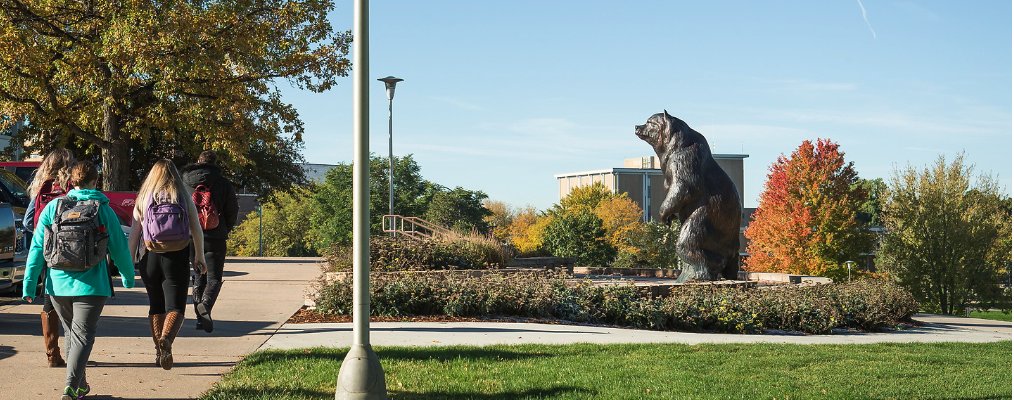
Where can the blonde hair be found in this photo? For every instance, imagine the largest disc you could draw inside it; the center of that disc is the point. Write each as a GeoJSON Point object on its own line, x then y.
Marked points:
{"type": "Point", "coordinates": [163, 185]}
{"type": "Point", "coordinates": [56, 166]}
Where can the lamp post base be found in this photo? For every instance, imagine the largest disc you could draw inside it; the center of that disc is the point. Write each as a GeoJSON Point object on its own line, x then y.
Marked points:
{"type": "Point", "coordinates": [361, 375]}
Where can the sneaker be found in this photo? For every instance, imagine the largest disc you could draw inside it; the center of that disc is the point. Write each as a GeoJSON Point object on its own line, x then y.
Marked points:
{"type": "Point", "coordinates": [204, 318]}
{"type": "Point", "coordinates": [70, 393]}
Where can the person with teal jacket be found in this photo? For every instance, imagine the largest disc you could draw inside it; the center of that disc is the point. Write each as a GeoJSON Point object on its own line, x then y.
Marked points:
{"type": "Point", "coordinates": [79, 296]}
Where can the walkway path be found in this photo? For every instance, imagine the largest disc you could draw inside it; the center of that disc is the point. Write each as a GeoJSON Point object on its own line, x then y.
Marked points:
{"type": "Point", "coordinates": [258, 296]}
{"type": "Point", "coordinates": [261, 294]}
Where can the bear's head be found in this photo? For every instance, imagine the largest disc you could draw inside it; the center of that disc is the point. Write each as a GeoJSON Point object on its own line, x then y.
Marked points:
{"type": "Point", "coordinates": [666, 133]}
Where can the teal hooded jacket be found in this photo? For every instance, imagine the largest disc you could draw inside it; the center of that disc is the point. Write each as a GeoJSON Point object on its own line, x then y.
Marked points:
{"type": "Point", "coordinates": [93, 282]}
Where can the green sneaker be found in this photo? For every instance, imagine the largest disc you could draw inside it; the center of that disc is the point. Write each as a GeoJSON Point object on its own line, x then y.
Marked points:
{"type": "Point", "coordinates": [70, 393]}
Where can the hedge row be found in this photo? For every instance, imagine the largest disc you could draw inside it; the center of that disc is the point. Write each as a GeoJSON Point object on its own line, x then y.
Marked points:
{"type": "Point", "coordinates": [401, 253]}
{"type": "Point", "coordinates": [870, 304]}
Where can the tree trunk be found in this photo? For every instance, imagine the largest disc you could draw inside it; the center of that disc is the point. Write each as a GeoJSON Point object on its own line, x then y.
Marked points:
{"type": "Point", "coordinates": [115, 153]}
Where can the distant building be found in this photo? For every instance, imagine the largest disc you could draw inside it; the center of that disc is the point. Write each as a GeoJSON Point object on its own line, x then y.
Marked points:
{"type": "Point", "coordinates": [315, 172]}
{"type": "Point", "coordinates": [248, 200]}
{"type": "Point", "coordinates": [6, 134]}
{"type": "Point", "coordinates": [641, 179]}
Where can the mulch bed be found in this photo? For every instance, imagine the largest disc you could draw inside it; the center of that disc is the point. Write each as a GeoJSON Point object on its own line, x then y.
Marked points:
{"type": "Point", "coordinates": [308, 316]}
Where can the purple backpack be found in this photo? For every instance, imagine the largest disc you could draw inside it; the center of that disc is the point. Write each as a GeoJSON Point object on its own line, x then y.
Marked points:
{"type": "Point", "coordinates": [166, 227]}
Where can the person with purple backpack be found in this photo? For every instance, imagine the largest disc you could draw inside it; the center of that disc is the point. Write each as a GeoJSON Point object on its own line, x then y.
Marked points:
{"type": "Point", "coordinates": [165, 224]}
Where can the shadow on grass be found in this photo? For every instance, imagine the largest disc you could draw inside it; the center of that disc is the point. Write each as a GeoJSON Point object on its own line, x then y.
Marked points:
{"type": "Point", "coordinates": [441, 354]}
{"type": "Point", "coordinates": [546, 393]}
{"type": "Point", "coordinates": [257, 394]}
{"type": "Point", "coordinates": [265, 394]}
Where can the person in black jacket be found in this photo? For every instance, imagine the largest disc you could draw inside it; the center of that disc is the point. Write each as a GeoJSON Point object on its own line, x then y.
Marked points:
{"type": "Point", "coordinates": [206, 287]}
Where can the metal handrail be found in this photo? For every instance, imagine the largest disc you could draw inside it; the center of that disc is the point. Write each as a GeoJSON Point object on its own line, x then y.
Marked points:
{"type": "Point", "coordinates": [417, 227]}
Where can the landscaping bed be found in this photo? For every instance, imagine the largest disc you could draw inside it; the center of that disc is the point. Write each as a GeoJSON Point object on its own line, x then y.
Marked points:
{"type": "Point", "coordinates": [867, 305]}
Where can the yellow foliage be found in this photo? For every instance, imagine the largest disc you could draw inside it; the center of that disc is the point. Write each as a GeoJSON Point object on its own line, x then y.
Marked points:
{"type": "Point", "coordinates": [622, 219]}
{"type": "Point", "coordinates": [527, 230]}
{"type": "Point", "coordinates": [501, 218]}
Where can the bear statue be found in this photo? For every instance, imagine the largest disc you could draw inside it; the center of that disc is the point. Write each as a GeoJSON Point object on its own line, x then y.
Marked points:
{"type": "Point", "coordinates": [698, 194]}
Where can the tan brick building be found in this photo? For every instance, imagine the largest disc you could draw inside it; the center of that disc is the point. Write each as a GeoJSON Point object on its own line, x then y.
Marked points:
{"type": "Point", "coordinates": [641, 179]}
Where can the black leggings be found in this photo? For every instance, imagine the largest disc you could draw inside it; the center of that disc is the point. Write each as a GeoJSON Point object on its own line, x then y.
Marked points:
{"type": "Point", "coordinates": [166, 278]}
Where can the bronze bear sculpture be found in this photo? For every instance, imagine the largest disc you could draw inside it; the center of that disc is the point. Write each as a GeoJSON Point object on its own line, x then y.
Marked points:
{"type": "Point", "coordinates": [700, 195]}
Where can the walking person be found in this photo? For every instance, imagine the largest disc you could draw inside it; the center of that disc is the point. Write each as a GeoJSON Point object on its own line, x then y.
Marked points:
{"type": "Point", "coordinates": [78, 279]}
{"type": "Point", "coordinates": [51, 180]}
{"type": "Point", "coordinates": [165, 220]}
{"type": "Point", "coordinates": [215, 198]}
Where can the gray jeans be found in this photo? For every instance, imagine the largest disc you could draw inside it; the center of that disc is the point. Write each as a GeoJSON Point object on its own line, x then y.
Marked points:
{"type": "Point", "coordinates": [80, 317]}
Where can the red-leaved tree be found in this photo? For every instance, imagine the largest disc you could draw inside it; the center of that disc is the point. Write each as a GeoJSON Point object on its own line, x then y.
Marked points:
{"type": "Point", "coordinates": [806, 220]}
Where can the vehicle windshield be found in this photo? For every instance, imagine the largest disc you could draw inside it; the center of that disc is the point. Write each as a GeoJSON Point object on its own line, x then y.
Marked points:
{"type": "Point", "coordinates": [14, 184]}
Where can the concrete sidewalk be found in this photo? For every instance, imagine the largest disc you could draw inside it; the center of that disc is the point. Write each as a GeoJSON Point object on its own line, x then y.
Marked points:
{"type": "Point", "coordinates": [937, 328]}
{"type": "Point", "coordinates": [258, 296]}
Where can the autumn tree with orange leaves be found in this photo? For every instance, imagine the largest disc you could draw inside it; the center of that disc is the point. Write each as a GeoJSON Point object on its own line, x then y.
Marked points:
{"type": "Point", "coordinates": [806, 222]}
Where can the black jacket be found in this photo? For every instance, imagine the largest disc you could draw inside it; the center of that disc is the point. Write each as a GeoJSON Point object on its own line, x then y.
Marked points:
{"type": "Point", "coordinates": [222, 194]}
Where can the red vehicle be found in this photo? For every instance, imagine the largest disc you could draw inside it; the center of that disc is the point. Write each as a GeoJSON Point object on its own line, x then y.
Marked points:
{"type": "Point", "coordinates": [122, 203]}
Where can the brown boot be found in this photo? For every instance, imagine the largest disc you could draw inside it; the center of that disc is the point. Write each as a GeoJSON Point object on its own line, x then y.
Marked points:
{"type": "Point", "coordinates": [51, 334]}
{"type": "Point", "coordinates": [155, 321]}
{"type": "Point", "coordinates": [173, 323]}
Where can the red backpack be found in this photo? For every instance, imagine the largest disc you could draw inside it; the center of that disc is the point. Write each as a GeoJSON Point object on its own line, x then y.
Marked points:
{"type": "Point", "coordinates": [49, 191]}
{"type": "Point", "coordinates": [207, 213]}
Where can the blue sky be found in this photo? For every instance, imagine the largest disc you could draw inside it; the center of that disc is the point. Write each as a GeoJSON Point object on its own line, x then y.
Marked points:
{"type": "Point", "coordinates": [499, 96]}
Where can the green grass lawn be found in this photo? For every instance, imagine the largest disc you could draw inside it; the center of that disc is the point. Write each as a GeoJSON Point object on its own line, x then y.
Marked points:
{"type": "Point", "coordinates": [643, 371]}
{"type": "Point", "coordinates": [993, 315]}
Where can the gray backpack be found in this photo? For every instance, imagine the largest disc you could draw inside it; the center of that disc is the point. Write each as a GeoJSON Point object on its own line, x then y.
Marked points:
{"type": "Point", "coordinates": [76, 240]}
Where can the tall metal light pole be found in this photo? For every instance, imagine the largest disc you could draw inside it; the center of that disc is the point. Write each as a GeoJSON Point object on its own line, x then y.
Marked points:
{"type": "Point", "coordinates": [361, 375]}
{"type": "Point", "coordinates": [390, 82]}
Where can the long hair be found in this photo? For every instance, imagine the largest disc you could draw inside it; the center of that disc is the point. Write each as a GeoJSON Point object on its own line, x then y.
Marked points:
{"type": "Point", "coordinates": [56, 166]}
{"type": "Point", "coordinates": [162, 185]}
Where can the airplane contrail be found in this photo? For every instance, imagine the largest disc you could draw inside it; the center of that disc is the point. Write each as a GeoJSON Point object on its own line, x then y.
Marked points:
{"type": "Point", "coordinates": [867, 21]}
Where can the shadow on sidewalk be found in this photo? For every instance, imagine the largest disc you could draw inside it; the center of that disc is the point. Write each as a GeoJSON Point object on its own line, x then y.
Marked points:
{"type": "Point", "coordinates": [7, 352]}
{"type": "Point", "coordinates": [116, 326]}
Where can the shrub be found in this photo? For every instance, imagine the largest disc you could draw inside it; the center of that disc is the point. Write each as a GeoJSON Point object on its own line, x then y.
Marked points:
{"type": "Point", "coordinates": [406, 254]}
{"type": "Point", "coordinates": [870, 304]}
{"type": "Point", "coordinates": [581, 235]}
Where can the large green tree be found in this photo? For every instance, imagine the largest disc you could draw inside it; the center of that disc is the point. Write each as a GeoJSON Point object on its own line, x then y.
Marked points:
{"type": "Point", "coordinates": [459, 209]}
{"type": "Point", "coordinates": [332, 198]}
{"type": "Point", "coordinates": [118, 77]}
{"type": "Point", "coordinates": [948, 236]}
{"type": "Point", "coordinates": [807, 221]}
{"type": "Point", "coordinates": [579, 234]}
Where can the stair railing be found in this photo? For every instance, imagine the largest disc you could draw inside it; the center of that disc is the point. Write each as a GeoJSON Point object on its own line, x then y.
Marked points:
{"type": "Point", "coordinates": [414, 227]}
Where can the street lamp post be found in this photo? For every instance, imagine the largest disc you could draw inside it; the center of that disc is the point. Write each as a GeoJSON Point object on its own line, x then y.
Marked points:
{"type": "Point", "coordinates": [849, 264]}
{"type": "Point", "coordinates": [390, 82]}
{"type": "Point", "coordinates": [361, 376]}
{"type": "Point", "coordinates": [260, 229]}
